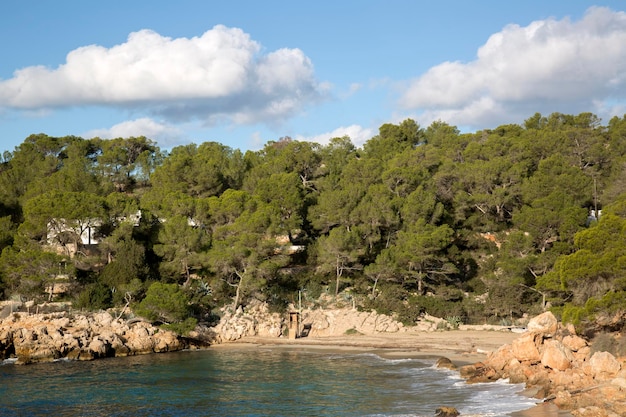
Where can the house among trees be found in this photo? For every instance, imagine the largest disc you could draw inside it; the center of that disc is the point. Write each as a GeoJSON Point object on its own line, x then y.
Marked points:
{"type": "Point", "coordinates": [70, 236]}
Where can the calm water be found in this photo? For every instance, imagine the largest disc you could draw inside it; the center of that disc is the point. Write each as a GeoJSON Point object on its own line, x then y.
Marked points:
{"type": "Point", "coordinates": [247, 382]}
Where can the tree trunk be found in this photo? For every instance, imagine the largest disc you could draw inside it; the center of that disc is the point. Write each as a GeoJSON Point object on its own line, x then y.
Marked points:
{"type": "Point", "coordinates": [339, 271]}
{"type": "Point", "coordinates": [237, 293]}
{"type": "Point", "coordinates": [374, 288]}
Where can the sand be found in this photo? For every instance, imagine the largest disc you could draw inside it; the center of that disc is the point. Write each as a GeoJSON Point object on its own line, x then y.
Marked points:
{"type": "Point", "coordinates": [462, 347]}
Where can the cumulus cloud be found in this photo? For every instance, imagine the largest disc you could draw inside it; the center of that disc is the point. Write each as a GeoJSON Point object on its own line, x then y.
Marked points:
{"type": "Point", "coordinates": [163, 133]}
{"type": "Point", "coordinates": [219, 75]}
{"type": "Point", "coordinates": [358, 135]}
{"type": "Point", "coordinates": [549, 65]}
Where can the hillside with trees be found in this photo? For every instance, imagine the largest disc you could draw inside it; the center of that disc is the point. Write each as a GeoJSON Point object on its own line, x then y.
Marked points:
{"type": "Point", "coordinates": [480, 227]}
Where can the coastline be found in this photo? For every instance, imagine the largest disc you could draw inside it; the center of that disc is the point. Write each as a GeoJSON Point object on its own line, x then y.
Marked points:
{"type": "Point", "coordinates": [461, 347]}
{"type": "Point", "coordinates": [548, 357]}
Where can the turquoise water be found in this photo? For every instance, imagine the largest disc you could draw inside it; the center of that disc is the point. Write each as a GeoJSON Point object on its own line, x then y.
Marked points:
{"type": "Point", "coordinates": [248, 382]}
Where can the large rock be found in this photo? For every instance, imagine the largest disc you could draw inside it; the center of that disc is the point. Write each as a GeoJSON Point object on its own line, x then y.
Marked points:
{"type": "Point", "coordinates": [479, 372]}
{"type": "Point", "coordinates": [602, 366]}
{"type": "Point", "coordinates": [34, 353]}
{"type": "Point", "coordinates": [167, 341]}
{"type": "Point", "coordinates": [544, 323]}
{"type": "Point", "coordinates": [574, 343]}
{"type": "Point", "coordinates": [525, 348]}
{"type": "Point", "coordinates": [556, 356]}
{"type": "Point", "coordinates": [98, 348]}
{"type": "Point", "coordinates": [445, 363]}
{"type": "Point", "coordinates": [501, 358]}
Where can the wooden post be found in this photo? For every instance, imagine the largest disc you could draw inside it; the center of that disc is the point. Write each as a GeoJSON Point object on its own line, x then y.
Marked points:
{"type": "Point", "coordinates": [294, 324]}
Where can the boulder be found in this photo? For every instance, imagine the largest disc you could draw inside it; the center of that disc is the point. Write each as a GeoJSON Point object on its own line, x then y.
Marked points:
{"type": "Point", "coordinates": [619, 382]}
{"type": "Point", "coordinates": [139, 345]}
{"type": "Point", "coordinates": [574, 343]}
{"type": "Point", "coordinates": [35, 353]}
{"type": "Point", "coordinates": [501, 357]}
{"type": "Point", "coordinates": [525, 349]}
{"type": "Point", "coordinates": [556, 356]}
{"type": "Point", "coordinates": [602, 366]}
{"type": "Point", "coordinates": [445, 363]}
{"type": "Point", "coordinates": [479, 372]}
{"type": "Point", "coordinates": [103, 319]}
{"type": "Point", "coordinates": [80, 355]}
{"type": "Point", "coordinates": [517, 372]}
{"type": "Point", "coordinates": [570, 379]}
{"type": "Point", "coordinates": [544, 323]}
{"type": "Point", "coordinates": [98, 348]}
{"type": "Point", "coordinates": [166, 341]}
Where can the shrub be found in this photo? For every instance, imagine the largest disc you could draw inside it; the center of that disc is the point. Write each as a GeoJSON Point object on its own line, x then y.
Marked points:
{"type": "Point", "coordinates": [166, 303]}
{"type": "Point", "coordinates": [96, 296]}
{"type": "Point", "coordinates": [182, 327]}
{"type": "Point", "coordinates": [352, 332]}
{"type": "Point", "coordinates": [438, 307]}
{"type": "Point", "coordinates": [611, 303]}
{"type": "Point", "coordinates": [454, 322]}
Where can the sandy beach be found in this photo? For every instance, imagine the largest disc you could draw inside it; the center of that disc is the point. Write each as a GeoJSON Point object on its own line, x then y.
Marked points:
{"type": "Point", "coordinates": [460, 346]}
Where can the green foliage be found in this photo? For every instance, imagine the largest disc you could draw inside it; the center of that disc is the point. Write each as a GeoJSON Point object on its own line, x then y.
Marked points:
{"type": "Point", "coordinates": [166, 303]}
{"type": "Point", "coordinates": [438, 306]}
{"type": "Point", "coordinates": [416, 220]}
{"type": "Point", "coordinates": [611, 303]}
{"type": "Point", "coordinates": [182, 327]}
{"type": "Point", "coordinates": [338, 254]}
{"type": "Point", "coordinates": [128, 264]}
{"type": "Point", "coordinates": [599, 264]}
{"type": "Point", "coordinates": [352, 332]}
{"type": "Point", "coordinates": [94, 297]}
{"type": "Point", "coordinates": [454, 322]}
{"type": "Point", "coordinates": [28, 272]}
{"type": "Point", "coordinates": [180, 246]}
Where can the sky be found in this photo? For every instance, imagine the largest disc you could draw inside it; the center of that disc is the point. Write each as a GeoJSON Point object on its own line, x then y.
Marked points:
{"type": "Point", "coordinates": [243, 73]}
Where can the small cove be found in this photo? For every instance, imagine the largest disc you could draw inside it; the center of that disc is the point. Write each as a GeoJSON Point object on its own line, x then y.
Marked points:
{"type": "Point", "coordinates": [249, 382]}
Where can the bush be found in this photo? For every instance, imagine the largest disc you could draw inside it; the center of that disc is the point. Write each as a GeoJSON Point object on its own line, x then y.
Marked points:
{"type": "Point", "coordinates": [612, 303]}
{"type": "Point", "coordinates": [96, 296]}
{"type": "Point", "coordinates": [454, 322]}
{"type": "Point", "coordinates": [438, 307]}
{"type": "Point", "coordinates": [182, 327]}
{"type": "Point", "coordinates": [166, 303]}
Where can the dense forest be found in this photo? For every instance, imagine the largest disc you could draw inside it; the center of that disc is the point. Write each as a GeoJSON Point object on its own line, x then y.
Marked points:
{"type": "Point", "coordinates": [476, 227]}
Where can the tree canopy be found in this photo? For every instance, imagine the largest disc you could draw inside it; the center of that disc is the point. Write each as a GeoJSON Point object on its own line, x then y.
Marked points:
{"type": "Point", "coordinates": [489, 224]}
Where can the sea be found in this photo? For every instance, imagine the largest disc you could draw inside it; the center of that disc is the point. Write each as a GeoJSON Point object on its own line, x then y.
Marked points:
{"type": "Point", "coordinates": [250, 382]}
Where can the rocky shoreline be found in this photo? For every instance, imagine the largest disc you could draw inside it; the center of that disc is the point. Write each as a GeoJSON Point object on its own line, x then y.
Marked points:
{"type": "Point", "coordinates": [552, 361]}
{"type": "Point", "coordinates": [558, 366]}
{"type": "Point", "coordinates": [33, 338]}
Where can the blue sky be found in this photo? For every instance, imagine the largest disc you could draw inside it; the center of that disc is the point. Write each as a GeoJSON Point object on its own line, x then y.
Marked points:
{"type": "Point", "coordinates": [246, 72]}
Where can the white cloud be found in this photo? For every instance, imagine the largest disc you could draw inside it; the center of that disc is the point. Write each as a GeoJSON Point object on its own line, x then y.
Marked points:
{"type": "Point", "coordinates": [219, 75]}
{"type": "Point", "coordinates": [549, 65]}
{"type": "Point", "coordinates": [165, 135]}
{"type": "Point", "coordinates": [358, 135]}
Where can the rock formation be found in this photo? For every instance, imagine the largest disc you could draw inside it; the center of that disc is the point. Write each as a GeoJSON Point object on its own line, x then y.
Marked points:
{"type": "Point", "coordinates": [257, 320]}
{"type": "Point", "coordinates": [30, 338]}
{"type": "Point", "coordinates": [558, 365]}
